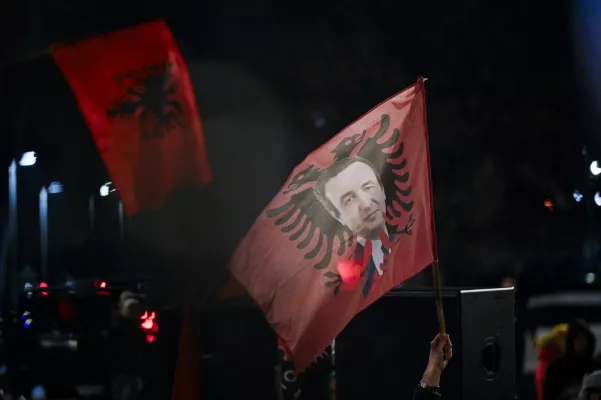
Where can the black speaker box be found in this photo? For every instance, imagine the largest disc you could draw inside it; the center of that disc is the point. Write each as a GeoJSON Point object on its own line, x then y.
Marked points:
{"type": "Point", "coordinates": [383, 352]}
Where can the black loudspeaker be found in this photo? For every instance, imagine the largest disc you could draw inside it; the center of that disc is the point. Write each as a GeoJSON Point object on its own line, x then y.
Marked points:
{"type": "Point", "coordinates": [383, 352]}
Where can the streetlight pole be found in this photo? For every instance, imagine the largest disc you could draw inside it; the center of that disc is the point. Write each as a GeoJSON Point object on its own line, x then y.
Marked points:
{"type": "Point", "coordinates": [8, 248]}
{"type": "Point", "coordinates": [121, 227]}
{"type": "Point", "coordinates": [12, 214]}
{"type": "Point", "coordinates": [92, 225]}
{"type": "Point", "coordinates": [44, 232]}
{"type": "Point", "coordinates": [92, 213]}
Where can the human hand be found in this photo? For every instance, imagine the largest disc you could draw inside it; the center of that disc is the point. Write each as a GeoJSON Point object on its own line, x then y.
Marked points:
{"type": "Point", "coordinates": [441, 351]}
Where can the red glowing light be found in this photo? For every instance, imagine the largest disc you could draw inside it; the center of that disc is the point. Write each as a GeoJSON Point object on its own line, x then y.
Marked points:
{"type": "Point", "coordinates": [549, 204]}
{"type": "Point", "coordinates": [150, 338]}
{"type": "Point", "coordinates": [147, 324]}
{"type": "Point", "coordinates": [350, 273]}
{"type": "Point", "coordinates": [150, 316]}
{"type": "Point", "coordinates": [103, 284]}
{"type": "Point", "coordinates": [44, 285]}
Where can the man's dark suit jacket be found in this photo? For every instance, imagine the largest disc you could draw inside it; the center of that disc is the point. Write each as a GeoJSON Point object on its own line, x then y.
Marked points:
{"type": "Point", "coordinates": [370, 269]}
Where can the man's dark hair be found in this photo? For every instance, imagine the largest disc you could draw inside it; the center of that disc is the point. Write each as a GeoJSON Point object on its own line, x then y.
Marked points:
{"type": "Point", "coordinates": [331, 172]}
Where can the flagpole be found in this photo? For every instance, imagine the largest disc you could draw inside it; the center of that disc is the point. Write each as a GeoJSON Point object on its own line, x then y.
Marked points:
{"type": "Point", "coordinates": [435, 267]}
{"type": "Point", "coordinates": [438, 293]}
{"type": "Point", "coordinates": [43, 206]}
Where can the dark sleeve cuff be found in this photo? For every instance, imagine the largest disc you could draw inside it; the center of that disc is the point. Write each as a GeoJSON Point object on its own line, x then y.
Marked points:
{"type": "Point", "coordinates": [426, 394]}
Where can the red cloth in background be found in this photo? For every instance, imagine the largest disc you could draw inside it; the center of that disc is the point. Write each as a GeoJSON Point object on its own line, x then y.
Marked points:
{"type": "Point", "coordinates": [545, 357]}
{"type": "Point", "coordinates": [134, 91]}
{"type": "Point", "coordinates": [188, 375]}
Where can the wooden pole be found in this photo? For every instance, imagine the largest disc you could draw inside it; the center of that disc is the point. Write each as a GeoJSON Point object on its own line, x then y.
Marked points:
{"type": "Point", "coordinates": [438, 293]}
{"type": "Point", "coordinates": [435, 268]}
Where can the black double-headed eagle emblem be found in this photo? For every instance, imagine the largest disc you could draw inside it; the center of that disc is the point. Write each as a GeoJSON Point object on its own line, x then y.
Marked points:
{"type": "Point", "coordinates": [153, 100]}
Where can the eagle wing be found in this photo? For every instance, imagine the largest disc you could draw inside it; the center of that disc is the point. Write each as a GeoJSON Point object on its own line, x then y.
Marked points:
{"type": "Point", "coordinates": [303, 217]}
{"type": "Point", "coordinates": [387, 155]}
{"type": "Point", "coordinates": [125, 107]}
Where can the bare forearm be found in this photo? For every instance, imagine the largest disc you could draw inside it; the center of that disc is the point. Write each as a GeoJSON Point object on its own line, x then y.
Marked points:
{"type": "Point", "coordinates": [431, 376]}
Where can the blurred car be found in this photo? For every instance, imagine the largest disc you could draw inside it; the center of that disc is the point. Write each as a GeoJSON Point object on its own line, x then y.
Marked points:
{"type": "Point", "coordinates": [58, 339]}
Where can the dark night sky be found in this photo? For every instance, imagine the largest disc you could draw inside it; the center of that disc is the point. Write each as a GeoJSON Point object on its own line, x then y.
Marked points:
{"type": "Point", "coordinates": [508, 117]}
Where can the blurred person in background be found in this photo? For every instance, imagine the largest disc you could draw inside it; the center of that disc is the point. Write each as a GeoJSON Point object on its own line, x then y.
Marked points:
{"type": "Point", "coordinates": [331, 385]}
{"type": "Point", "coordinates": [549, 347]}
{"type": "Point", "coordinates": [126, 343]}
{"type": "Point", "coordinates": [521, 328]}
{"type": "Point", "coordinates": [313, 378]}
{"type": "Point", "coordinates": [591, 386]}
{"type": "Point", "coordinates": [563, 379]}
{"type": "Point", "coordinates": [26, 275]}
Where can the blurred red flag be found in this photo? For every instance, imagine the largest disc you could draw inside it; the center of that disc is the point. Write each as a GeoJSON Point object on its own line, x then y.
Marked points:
{"type": "Point", "coordinates": [134, 91]}
{"type": "Point", "coordinates": [187, 377]}
{"type": "Point", "coordinates": [354, 220]}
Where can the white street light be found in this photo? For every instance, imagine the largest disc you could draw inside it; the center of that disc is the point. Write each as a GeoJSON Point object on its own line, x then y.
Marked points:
{"type": "Point", "coordinates": [106, 189]}
{"type": "Point", "coordinates": [590, 278]}
{"type": "Point", "coordinates": [28, 159]}
{"type": "Point", "coordinates": [595, 169]}
{"type": "Point", "coordinates": [598, 199]}
{"type": "Point", "coordinates": [55, 187]}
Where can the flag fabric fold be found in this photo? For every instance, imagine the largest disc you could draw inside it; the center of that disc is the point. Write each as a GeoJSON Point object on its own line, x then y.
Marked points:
{"type": "Point", "coordinates": [134, 91]}
{"type": "Point", "coordinates": [187, 376]}
{"type": "Point", "coordinates": [354, 220]}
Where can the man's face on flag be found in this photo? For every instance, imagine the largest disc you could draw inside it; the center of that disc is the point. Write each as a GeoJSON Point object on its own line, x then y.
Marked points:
{"type": "Point", "coordinates": [357, 194]}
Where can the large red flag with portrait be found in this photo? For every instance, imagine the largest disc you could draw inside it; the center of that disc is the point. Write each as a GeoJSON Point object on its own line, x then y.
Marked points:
{"type": "Point", "coordinates": [134, 91]}
{"type": "Point", "coordinates": [354, 220]}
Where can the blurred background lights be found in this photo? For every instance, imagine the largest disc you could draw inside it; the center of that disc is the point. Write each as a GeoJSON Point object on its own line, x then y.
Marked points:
{"type": "Point", "coordinates": [106, 189]}
{"type": "Point", "coordinates": [577, 196]}
{"type": "Point", "coordinates": [598, 199]}
{"type": "Point", "coordinates": [43, 285]}
{"type": "Point", "coordinates": [28, 159]}
{"type": "Point", "coordinates": [590, 278]}
{"type": "Point", "coordinates": [595, 170]}
{"type": "Point", "coordinates": [55, 187]}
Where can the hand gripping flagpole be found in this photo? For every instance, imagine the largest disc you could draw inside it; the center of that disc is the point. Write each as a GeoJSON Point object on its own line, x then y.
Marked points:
{"type": "Point", "coordinates": [435, 267]}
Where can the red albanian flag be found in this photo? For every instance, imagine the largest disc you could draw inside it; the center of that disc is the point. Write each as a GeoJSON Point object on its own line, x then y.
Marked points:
{"type": "Point", "coordinates": [354, 220]}
{"type": "Point", "coordinates": [134, 91]}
